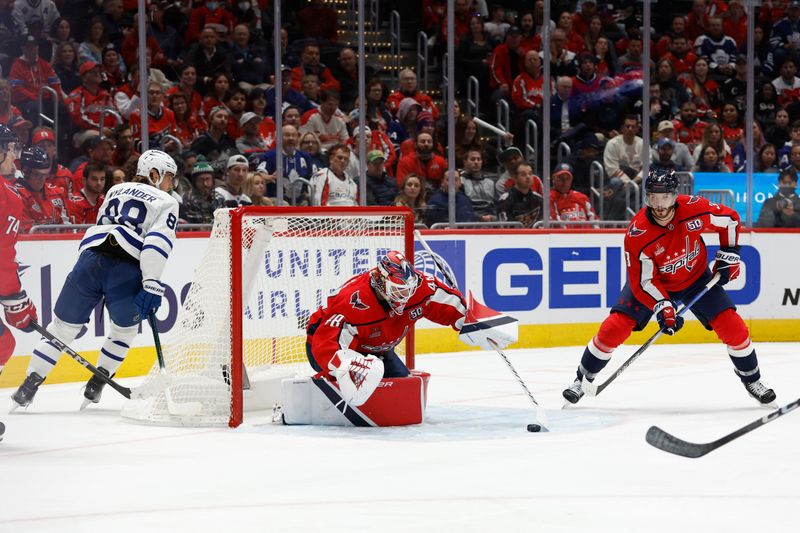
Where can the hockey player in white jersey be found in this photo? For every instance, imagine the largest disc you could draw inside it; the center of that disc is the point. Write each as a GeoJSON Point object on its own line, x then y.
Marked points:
{"type": "Point", "coordinates": [121, 260]}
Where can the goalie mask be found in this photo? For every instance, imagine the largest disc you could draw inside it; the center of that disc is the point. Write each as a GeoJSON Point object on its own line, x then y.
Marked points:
{"type": "Point", "coordinates": [395, 280]}
{"type": "Point", "coordinates": [158, 160]}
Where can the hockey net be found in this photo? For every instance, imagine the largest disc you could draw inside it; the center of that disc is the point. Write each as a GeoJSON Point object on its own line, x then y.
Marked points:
{"type": "Point", "coordinates": [243, 321]}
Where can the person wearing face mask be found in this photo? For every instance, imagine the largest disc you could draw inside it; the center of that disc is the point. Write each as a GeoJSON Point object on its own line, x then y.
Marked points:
{"type": "Point", "coordinates": [783, 209]}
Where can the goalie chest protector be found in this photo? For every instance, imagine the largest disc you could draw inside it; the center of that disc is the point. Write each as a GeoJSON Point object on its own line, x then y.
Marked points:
{"type": "Point", "coordinates": [396, 402]}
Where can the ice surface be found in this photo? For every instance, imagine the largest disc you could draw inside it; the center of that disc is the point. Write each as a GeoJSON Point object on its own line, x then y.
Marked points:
{"type": "Point", "coordinates": [472, 467]}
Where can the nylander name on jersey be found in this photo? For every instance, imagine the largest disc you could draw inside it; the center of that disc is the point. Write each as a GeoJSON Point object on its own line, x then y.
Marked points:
{"type": "Point", "coordinates": [142, 219]}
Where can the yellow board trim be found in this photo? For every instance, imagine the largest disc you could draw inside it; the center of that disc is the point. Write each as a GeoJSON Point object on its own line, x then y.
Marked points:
{"type": "Point", "coordinates": [140, 360]}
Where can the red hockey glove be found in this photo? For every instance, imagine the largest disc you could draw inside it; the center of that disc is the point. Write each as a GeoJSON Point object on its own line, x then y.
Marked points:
{"type": "Point", "coordinates": [20, 311]}
{"type": "Point", "coordinates": [727, 265]}
{"type": "Point", "coordinates": [668, 320]}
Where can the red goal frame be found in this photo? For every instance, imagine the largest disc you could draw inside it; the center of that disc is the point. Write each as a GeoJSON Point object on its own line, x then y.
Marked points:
{"type": "Point", "coordinates": [237, 305]}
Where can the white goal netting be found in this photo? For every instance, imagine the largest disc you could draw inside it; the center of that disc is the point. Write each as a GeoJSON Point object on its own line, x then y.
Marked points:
{"type": "Point", "coordinates": [291, 261]}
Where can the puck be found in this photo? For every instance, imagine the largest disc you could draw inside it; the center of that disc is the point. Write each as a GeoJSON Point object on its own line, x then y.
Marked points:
{"type": "Point", "coordinates": [534, 428]}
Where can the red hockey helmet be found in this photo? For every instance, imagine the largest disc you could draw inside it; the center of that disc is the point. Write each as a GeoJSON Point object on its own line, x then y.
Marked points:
{"type": "Point", "coordinates": [395, 280]}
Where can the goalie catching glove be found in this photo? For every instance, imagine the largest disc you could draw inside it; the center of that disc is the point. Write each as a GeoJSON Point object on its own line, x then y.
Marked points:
{"type": "Point", "coordinates": [486, 328]}
{"type": "Point", "coordinates": [727, 265]}
{"type": "Point", "coordinates": [358, 375]}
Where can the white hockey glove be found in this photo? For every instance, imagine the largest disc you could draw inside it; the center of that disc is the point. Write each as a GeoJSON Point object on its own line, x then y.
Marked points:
{"type": "Point", "coordinates": [486, 328]}
{"type": "Point", "coordinates": [358, 375]}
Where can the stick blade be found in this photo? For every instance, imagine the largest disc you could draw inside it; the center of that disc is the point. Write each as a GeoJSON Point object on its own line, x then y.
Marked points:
{"type": "Point", "coordinates": [662, 440]}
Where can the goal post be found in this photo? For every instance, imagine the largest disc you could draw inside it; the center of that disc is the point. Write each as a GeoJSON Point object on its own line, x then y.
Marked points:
{"type": "Point", "coordinates": [241, 327]}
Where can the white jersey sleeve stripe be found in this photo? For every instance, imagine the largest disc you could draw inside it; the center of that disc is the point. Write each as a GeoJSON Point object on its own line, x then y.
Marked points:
{"type": "Point", "coordinates": [723, 221]}
{"type": "Point", "coordinates": [646, 278]}
{"type": "Point", "coordinates": [156, 248]}
{"type": "Point", "coordinates": [162, 236]}
{"type": "Point", "coordinates": [443, 297]}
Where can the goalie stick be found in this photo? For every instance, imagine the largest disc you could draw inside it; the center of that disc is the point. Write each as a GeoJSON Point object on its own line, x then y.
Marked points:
{"type": "Point", "coordinates": [175, 409]}
{"type": "Point", "coordinates": [662, 440]}
{"type": "Point", "coordinates": [593, 389]}
{"type": "Point", "coordinates": [125, 391]}
{"type": "Point", "coordinates": [541, 418]}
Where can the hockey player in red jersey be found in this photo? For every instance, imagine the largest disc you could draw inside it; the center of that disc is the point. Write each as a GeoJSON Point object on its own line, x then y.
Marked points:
{"type": "Point", "coordinates": [372, 313]}
{"type": "Point", "coordinates": [667, 261]}
{"type": "Point", "coordinates": [19, 310]}
{"type": "Point", "coordinates": [44, 202]}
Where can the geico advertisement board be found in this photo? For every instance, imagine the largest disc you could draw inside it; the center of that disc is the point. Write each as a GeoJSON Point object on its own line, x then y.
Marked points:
{"type": "Point", "coordinates": [540, 278]}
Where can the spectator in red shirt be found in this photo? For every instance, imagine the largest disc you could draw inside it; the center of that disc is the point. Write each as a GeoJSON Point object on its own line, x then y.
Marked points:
{"type": "Point", "coordinates": [60, 176]}
{"type": "Point", "coordinates": [697, 19]}
{"type": "Point", "coordinates": [186, 85]}
{"type": "Point", "coordinates": [688, 128]}
{"type": "Point", "coordinates": [703, 90]}
{"type": "Point", "coordinates": [160, 119]}
{"type": "Point", "coordinates": [680, 56]}
{"type": "Point", "coordinates": [568, 204]}
{"type": "Point", "coordinates": [423, 163]}
{"type": "Point", "coordinates": [734, 22]}
{"type": "Point", "coordinates": [84, 206]}
{"type": "Point", "coordinates": [85, 103]}
{"type": "Point", "coordinates": [460, 22]}
{"type": "Point", "coordinates": [408, 89]}
{"type": "Point", "coordinates": [678, 27]}
{"type": "Point", "coordinates": [124, 149]}
{"type": "Point", "coordinates": [311, 65]}
{"type": "Point", "coordinates": [526, 92]}
{"type": "Point", "coordinates": [213, 12]}
{"type": "Point", "coordinates": [318, 21]}
{"type": "Point", "coordinates": [506, 63]}
{"type": "Point", "coordinates": [29, 73]}
{"type": "Point", "coordinates": [582, 18]}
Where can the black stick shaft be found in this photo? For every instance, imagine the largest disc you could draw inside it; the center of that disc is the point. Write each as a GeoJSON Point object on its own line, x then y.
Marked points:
{"type": "Point", "coordinates": [662, 440]}
{"type": "Point", "coordinates": [125, 391]}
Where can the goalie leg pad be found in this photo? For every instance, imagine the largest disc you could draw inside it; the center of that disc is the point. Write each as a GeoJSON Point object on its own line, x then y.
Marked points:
{"type": "Point", "coordinates": [318, 401]}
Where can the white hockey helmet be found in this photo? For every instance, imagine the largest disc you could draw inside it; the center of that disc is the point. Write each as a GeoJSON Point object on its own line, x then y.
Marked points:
{"type": "Point", "coordinates": [156, 159]}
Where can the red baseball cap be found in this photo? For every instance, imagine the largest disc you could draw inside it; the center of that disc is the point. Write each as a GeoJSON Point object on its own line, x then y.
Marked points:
{"type": "Point", "coordinates": [86, 67]}
{"type": "Point", "coordinates": [43, 135]}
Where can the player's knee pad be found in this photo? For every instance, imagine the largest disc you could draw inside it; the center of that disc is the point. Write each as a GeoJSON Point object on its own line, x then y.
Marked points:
{"type": "Point", "coordinates": [731, 329]}
{"type": "Point", "coordinates": [123, 334]}
{"type": "Point", "coordinates": [614, 330]}
{"type": "Point", "coordinates": [64, 331]}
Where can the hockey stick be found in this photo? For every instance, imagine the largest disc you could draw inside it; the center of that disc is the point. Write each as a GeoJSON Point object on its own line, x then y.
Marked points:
{"type": "Point", "coordinates": [592, 389]}
{"type": "Point", "coordinates": [664, 441]}
{"type": "Point", "coordinates": [125, 391]}
{"type": "Point", "coordinates": [175, 409]}
{"type": "Point", "coordinates": [541, 418]}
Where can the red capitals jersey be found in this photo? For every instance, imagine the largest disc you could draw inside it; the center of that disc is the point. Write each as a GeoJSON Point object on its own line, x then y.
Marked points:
{"type": "Point", "coordinates": [84, 108]}
{"type": "Point", "coordinates": [669, 259]}
{"type": "Point", "coordinates": [62, 178]}
{"type": "Point", "coordinates": [157, 125]}
{"type": "Point", "coordinates": [48, 206]}
{"type": "Point", "coordinates": [526, 91]}
{"type": "Point", "coordinates": [571, 206]}
{"type": "Point", "coordinates": [11, 213]}
{"type": "Point", "coordinates": [355, 319]}
{"type": "Point", "coordinates": [81, 210]}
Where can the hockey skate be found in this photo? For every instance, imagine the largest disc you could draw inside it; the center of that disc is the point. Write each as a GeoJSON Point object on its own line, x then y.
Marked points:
{"type": "Point", "coordinates": [94, 389]}
{"type": "Point", "coordinates": [763, 394]}
{"type": "Point", "coordinates": [574, 392]}
{"type": "Point", "coordinates": [25, 393]}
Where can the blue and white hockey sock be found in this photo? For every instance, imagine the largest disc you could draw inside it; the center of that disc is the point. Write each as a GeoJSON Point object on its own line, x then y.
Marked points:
{"type": "Point", "coordinates": [745, 361]}
{"type": "Point", "coordinates": [45, 354]}
{"type": "Point", "coordinates": [594, 360]}
{"type": "Point", "coordinates": [116, 347]}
